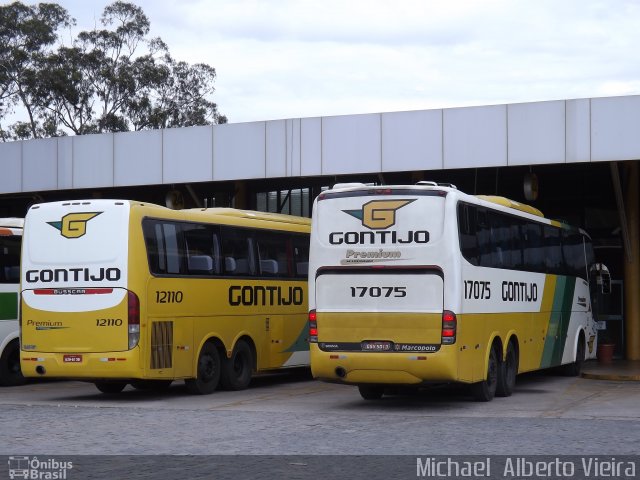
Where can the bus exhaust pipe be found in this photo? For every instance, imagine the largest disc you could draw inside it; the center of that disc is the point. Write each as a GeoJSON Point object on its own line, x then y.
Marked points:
{"type": "Point", "coordinates": [40, 370]}
{"type": "Point", "coordinates": [341, 372]}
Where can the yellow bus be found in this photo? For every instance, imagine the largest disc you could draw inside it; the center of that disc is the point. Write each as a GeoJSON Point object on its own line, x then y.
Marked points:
{"type": "Point", "coordinates": [411, 285]}
{"type": "Point", "coordinates": [117, 292]}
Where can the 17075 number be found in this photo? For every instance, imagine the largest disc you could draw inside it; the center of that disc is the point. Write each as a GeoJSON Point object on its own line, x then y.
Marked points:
{"type": "Point", "coordinates": [377, 292]}
{"type": "Point", "coordinates": [476, 290]}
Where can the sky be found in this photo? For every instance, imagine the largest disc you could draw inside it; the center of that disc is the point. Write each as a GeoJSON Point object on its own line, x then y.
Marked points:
{"type": "Point", "coordinates": [280, 59]}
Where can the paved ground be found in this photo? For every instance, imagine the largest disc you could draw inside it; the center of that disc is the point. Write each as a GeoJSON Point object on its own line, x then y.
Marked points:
{"type": "Point", "coordinates": [293, 415]}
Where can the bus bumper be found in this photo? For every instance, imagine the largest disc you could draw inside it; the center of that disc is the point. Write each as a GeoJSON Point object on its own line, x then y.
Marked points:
{"type": "Point", "coordinates": [356, 368]}
{"type": "Point", "coordinates": [82, 366]}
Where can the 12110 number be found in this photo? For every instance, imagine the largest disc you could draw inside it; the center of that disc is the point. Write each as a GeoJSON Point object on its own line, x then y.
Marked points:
{"type": "Point", "coordinates": [169, 296]}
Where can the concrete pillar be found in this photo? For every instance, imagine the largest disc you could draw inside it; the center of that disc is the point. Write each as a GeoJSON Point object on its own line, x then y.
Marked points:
{"type": "Point", "coordinates": [632, 268]}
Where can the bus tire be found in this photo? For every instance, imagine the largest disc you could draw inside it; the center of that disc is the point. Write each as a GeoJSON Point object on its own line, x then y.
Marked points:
{"type": "Point", "coordinates": [152, 385]}
{"type": "Point", "coordinates": [10, 373]}
{"type": "Point", "coordinates": [507, 372]}
{"type": "Point", "coordinates": [208, 374]}
{"type": "Point", "coordinates": [237, 370]}
{"type": "Point", "coordinates": [573, 369]}
{"type": "Point", "coordinates": [371, 392]}
{"type": "Point", "coordinates": [485, 390]}
{"type": "Point", "coordinates": [110, 387]}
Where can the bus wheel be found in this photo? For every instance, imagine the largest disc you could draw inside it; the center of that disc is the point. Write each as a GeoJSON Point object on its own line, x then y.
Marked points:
{"type": "Point", "coordinates": [485, 390]}
{"type": "Point", "coordinates": [153, 385]}
{"type": "Point", "coordinates": [370, 392]}
{"type": "Point", "coordinates": [10, 373]}
{"type": "Point", "coordinates": [110, 387]}
{"type": "Point", "coordinates": [237, 370]}
{"type": "Point", "coordinates": [507, 373]}
{"type": "Point", "coordinates": [574, 369]}
{"type": "Point", "coordinates": [208, 375]}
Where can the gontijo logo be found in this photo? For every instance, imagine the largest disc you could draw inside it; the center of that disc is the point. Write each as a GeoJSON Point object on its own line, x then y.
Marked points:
{"type": "Point", "coordinates": [378, 214]}
{"type": "Point", "coordinates": [74, 225]}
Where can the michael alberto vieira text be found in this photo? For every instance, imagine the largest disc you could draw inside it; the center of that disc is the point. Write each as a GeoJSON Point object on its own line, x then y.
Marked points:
{"type": "Point", "coordinates": [519, 467]}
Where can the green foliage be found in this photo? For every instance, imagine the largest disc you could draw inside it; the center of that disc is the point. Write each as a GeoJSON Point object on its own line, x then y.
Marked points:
{"type": "Point", "coordinates": [111, 79]}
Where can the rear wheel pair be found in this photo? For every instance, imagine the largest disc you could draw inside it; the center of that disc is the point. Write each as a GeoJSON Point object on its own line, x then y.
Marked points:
{"type": "Point", "coordinates": [501, 376]}
{"type": "Point", "coordinates": [233, 373]}
{"type": "Point", "coordinates": [110, 387]}
{"type": "Point", "coordinates": [371, 392]}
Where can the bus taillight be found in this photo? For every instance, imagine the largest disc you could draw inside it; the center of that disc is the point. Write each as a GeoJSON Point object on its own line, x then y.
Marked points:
{"type": "Point", "coordinates": [134, 319]}
{"type": "Point", "coordinates": [313, 327]}
{"type": "Point", "coordinates": [449, 326]}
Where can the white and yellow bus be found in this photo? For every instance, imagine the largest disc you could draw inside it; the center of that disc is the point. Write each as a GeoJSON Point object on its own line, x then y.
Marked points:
{"type": "Point", "coordinates": [10, 240]}
{"type": "Point", "coordinates": [417, 284]}
{"type": "Point", "coordinates": [119, 292]}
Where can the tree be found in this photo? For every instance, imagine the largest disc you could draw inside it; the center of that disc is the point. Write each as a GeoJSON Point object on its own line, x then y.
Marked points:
{"type": "Point", "coordinates": [117, 79]}
{"type": "Point", "coordinates": [25, 33]}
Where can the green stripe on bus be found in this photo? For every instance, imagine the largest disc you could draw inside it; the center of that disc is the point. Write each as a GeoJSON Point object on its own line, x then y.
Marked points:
{"type": "Point", "coordinates": [301, 343]}
{"type": "Point", "coordinates": [558, 322]}
{"type": "Point", "coordinates": [8, 306]}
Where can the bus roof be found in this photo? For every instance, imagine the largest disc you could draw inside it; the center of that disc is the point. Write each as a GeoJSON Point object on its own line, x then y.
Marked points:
{"type": "Point", "coordinates": [506, 202]}
{"type": "Point", "coordinates": [201, 214]}
{"type": "Point", "coordinates": [446, 187]}
{"type": "Point", "coordinates": [253, 214]}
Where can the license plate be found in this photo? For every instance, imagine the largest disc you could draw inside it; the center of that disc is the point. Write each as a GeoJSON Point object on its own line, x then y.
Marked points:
{"type": "Point", "coordinates": [72, 358]}
{"type": "Point", "coordinates": [375, 346]}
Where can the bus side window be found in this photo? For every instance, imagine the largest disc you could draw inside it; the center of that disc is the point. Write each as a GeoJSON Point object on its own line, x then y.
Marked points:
{"type": "Point", "coordinates": [517, 244]}
{"type": "Point", "coordinates": [504, 244]}
{"type": "Point", "coordinates": [574, 253]}
{"type": "Point", "coordinates": [533, 247]}
{"type": "Point", "coordinates": [269, 245]}
{"type": "Point", "coordinates": [164, 252]}
{"type": "Point", "coordinates": [467, 233]}
{"type": "Point", "coordinates": [203, 253]}
{"type": "Point", "coordinates": [483, 232]}
{"type": "Point", "coordinates": [301, 255]}
{"type": "Point", "coordinates": [237, 249]}
{"type": "Point", "coordinates": [552, 252]}
{"type": "Point", "coordinates": [154, 243]}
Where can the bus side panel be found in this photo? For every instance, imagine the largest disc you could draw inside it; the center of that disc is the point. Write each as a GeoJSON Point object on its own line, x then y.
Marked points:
{"type": "Point", "coordinates": [272, 314]}
{"type": "Point", "coordinates": [581, 320]}
{"type": "Point", "coordinates": [471, 328]}
{"type": "Point", "coordinates": [289, 344]}
{"type": "Point", "coordinates": [558, 322]}
{"type": "Point", "coordinates": [476, 333]}
{"type": "Point", "coordinates": [168, 343]}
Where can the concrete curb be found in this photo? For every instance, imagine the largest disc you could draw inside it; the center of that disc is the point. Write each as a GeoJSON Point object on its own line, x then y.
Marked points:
{"type": "Point", "coordinates": [618, 377]}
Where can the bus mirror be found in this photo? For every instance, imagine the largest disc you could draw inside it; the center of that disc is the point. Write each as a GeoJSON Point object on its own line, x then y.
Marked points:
{"type": "Point", "coordinates": [603, 278]}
